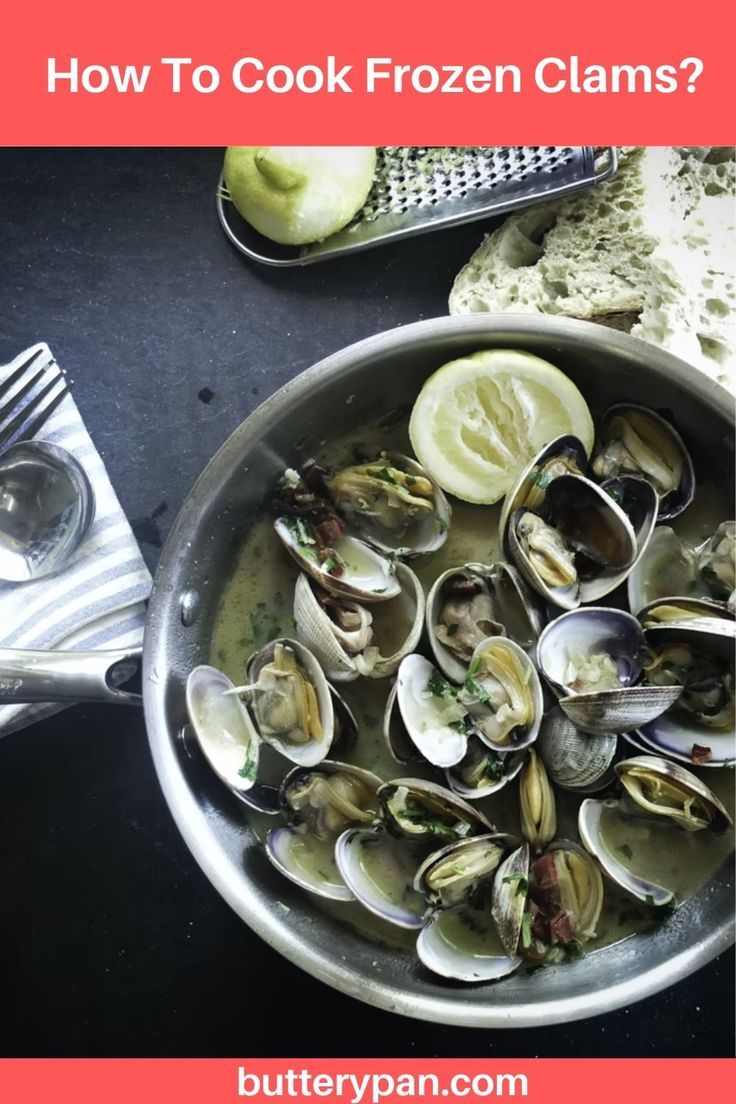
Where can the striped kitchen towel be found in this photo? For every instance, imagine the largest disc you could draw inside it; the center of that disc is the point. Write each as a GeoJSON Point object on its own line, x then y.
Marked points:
{"type": "Point", "coordinates": [98, 600]}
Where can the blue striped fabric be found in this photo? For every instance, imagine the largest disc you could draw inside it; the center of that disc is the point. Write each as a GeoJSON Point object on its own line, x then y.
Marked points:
{"type": "Point", "coordinates": [98, 602]}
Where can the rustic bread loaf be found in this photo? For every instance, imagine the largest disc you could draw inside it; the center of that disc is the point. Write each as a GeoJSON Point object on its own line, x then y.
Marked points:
{"type": "Point", "coordinates": [651, 251]}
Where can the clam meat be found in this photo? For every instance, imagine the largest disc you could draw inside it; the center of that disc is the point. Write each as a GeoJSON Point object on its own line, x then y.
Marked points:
{"type": "Point", "coordinates": [502, 694]}
{"type": "Point", "coordinates": [639, 441]}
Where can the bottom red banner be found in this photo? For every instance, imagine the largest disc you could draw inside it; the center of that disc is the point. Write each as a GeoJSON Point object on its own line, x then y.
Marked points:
{"type": "Point", "coordinates": [361, 1081]}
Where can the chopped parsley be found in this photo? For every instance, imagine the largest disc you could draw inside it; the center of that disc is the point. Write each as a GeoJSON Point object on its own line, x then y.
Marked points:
{"type": "Point", "coordinates": [249, 768]}
{"type": "Point", "coordinates": [522, 883]}
{"type": "Point", "coordinates": [526, 929]}
{"type": "Point", "coordinates": [452, 629]}
{"type": "Point", "coordinates": [625, 850]}
{"type": "Point", "coordinates": [441, 521]}
{"type": "Point", "coordinates": [386, 475]}
{"type": "Point", "coordinates": [299, 531]}
{"type": "Point", "coordinates": [415, 813]}
{"type": "Point", "coordinates": [439, 687]}
{"type": "Point", "coordinates": [479, 691]}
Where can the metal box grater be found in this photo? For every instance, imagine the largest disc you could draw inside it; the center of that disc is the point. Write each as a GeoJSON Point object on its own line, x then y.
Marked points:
{"type": "Point", "coordinates": [423, 188]}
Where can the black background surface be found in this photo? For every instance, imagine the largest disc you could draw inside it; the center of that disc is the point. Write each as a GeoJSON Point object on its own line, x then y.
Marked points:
{"type": "Point", "coordinates": [112, 942]}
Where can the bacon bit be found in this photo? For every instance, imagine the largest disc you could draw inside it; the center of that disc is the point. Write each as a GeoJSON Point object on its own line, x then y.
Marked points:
{"type": "Point", "coordinates": [540, 928]}
{"type": "Point", "coordinates": [560, 928]}
{"type": "Point", "coordinates": [329, 530]}
{"type": "Point", "coordinates": [700, 755]}
{"type": "Point", "coordinates": [544, 872]}
{"type": "Point", "coordinates": [313, 478]}
{"type": "Point", "coordinates": [336, 568]}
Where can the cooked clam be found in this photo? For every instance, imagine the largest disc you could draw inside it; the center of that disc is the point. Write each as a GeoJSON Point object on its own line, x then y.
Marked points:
{"type": "Point", "coordinates": [347, 567]}
{"type": "Point", "coordinates": [503, 695]}
{"type": "Point", "coordinates": [579, 548]}
{"type": "Point", "coordinates": [483, 770]}
{"type": "Point", "coordinates": [551, 907]}
{"type": "Point", "coordinates": [420, 810]}
{"type": "Point", "coordinates": [692, 619]}
{"type": "Point", "coordinates": [320, 804]}
{"type": "Point", "coordinates": [706, 679]}
{"type": "Point", "coordinates": [537, 802]}
{"type": "Point", "coordinates": [638, 441]}
{"type": "Point", "coordinates": [508, 900]}
{"type": "Point", "coordinates": [467, 604]}
{"type": "Point", "coordinates": [291, 701]}
{"type": "Point", "coordinates": [331, 797]}
{"type": "Point", "coordinates": [433, 716]}
{"type": "Point", "coordinates": [564, 455]}
{"type": "Point", "coordinates": [227, 737]}
{"type": "Point", "coordinates": [349, 640]}
{"type": "Point", "coordinates": [590, 826]}
{"type": "Point", "coordinates": [449, 876]}
{"type": "Point", "coordinates": [379, 870]}
{"type": "Point", "coordinates": [662, 788]}
{"type": "Point", "coordinates": [393, 504]}
{"type": "Point", "coordinates": [564, 902]}
{"type": "Point", "coordinates": [459, 615]}
{"type": "Point", "coordinates": [574, 759]}
{"type": "Point", "coordinates": [583, 654]}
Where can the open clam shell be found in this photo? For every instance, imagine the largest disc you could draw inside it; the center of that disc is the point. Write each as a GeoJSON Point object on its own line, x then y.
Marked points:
{"type": "Point", "coordinates": [508, 899]}
{"type": "Point", "coordinates": [658, 787]}
{"type": "Point", "coordinates": [379, 871]}
{"type": "Point", "coordinates": [346, 725]}
{"type": "Point", "coordinates": [325, 811]}
{"type": "Point", "coordinates": [366, 576]}
{"type": "Point", "coordinates": [503, 695]}
{"type": "Point", "coordinates": [681, 733]}
{"type": "Point", "coordinates": [374, 504]}
{"type": "Point", "coordinates": [564, 454]}
{"type": "Point", "coordinates": [223, 727]}
{"type": "Point", "coordinates": [393, 630]}
{"type": "Point", "coordinates": [416, 809]}
{"type": "Point", "coordinates": [399, 743]}
{"type": "Point", "coordinates": [307, 861]}
{"type": "Point", "coordinates": [538, 807]}
{"type": "Point", "coordinates": [690, 619]}
{"type": "Point", "coordinates": [590, 820]}
{"type": "Point", "coordinates": [502, 605]}
{"type": "Point", "coordinates": [320, 804]}
{"type": "Point", "coordinates": [667, 566]}
{"type": "Point", "coordinates": [273, 713]}
{"type": "Point", "coordinates": [577, 886]}
{"type": "Point", "coordinates": [463, 944]}
{"type": "Point", "coordinates": [449, 876]}
{"type": "Point", "coordinates": [638, 500]}
{"type": "Point", "coordinates": [635, 439]}
{"type": "Point", "coordinates": [575, 760]}
{"type": "Point", "coordinates": [483, 770]}
{"type": "Point", "coordinates": [430, 712]}
{"type": "Point", "coordinates": [597, 544]}
{"type": "Point", "coordinates": [590, 658]}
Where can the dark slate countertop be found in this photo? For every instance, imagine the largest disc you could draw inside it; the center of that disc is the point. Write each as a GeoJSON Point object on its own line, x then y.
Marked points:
{"type": "Point", "coordinates": [112, 940]}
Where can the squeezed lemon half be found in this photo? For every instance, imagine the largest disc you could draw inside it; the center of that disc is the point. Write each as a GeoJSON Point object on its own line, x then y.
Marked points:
{"type": "Point", "coordinates": [479, 420]}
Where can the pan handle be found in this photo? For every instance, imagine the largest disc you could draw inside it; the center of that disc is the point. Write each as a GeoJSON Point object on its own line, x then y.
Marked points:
{"type": "Point", "coordinates": [48, 676]}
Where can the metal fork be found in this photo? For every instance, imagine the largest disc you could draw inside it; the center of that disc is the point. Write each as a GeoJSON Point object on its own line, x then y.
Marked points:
{"type": "Point", "coordinates": [19, 428]}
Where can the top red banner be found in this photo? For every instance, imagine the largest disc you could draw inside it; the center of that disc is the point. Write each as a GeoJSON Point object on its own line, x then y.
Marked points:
{"type": "Point", "coordinates": [386, 73]}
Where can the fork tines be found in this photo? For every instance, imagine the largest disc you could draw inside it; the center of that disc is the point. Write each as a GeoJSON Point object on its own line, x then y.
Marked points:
{"type": "Point", "coordinates": [38, 408]}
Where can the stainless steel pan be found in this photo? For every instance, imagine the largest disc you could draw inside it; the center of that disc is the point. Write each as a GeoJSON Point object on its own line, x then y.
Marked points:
{"type": "Point", "coordinates": [364, 381]}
